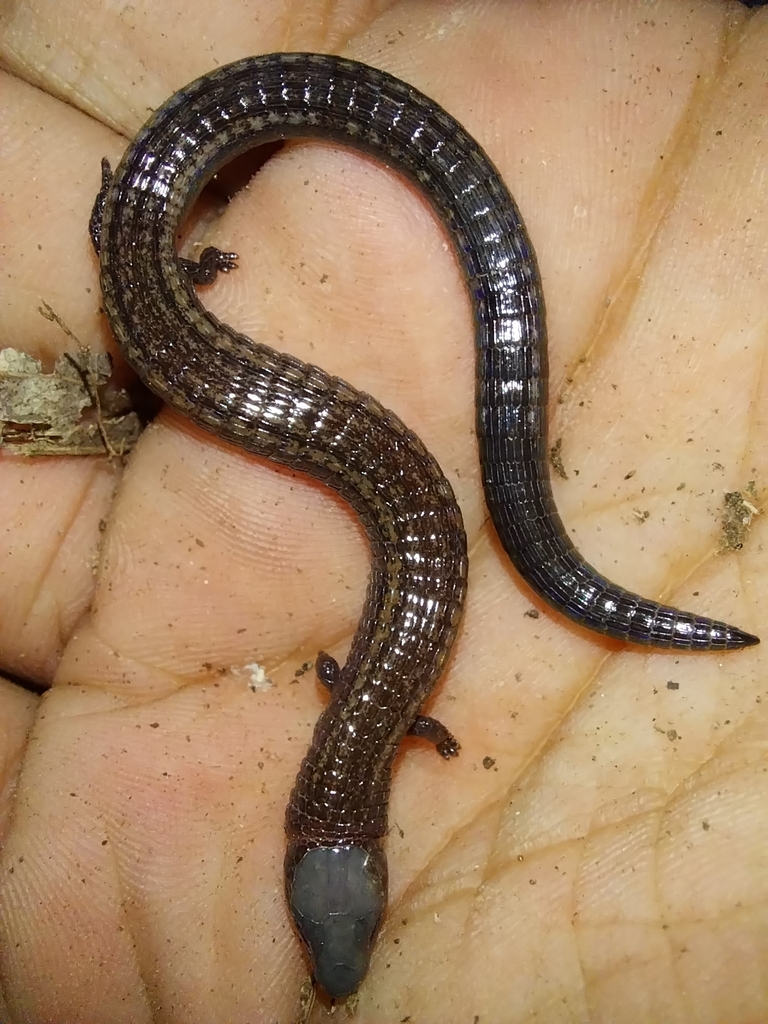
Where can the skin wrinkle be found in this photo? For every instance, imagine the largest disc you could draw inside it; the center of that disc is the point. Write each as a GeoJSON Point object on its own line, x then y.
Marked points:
{"type": "Point", "coordinates": [127, 923]}
{"type": "Point", "coordinates": [661, 193]}
{"type": "Point", "coordinates": [43, 576]}
{"type": "Point", "coordinates": [85, 494]}
{"type": "Point", "coordinates": [666, 932]}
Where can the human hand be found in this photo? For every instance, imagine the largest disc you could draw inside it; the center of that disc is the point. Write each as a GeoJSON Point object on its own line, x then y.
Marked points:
{"type": "Point", "coordinates": [607, 858]}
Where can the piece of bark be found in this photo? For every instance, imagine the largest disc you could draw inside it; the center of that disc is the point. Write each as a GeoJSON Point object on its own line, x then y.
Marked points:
{"type": "Point", "coordinates": [73, 410]}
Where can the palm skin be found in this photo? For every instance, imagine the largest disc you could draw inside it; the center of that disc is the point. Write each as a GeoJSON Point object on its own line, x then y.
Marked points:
{"type": "Point", "coordinates": [597, 850]}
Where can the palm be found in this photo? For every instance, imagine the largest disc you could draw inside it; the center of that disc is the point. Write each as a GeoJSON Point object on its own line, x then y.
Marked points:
{"type": "Point", "coordinates": [597, 846]}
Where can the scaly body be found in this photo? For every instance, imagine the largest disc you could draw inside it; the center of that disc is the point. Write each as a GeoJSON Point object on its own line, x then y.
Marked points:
{"type": "Point", "coordinates": [278, 407]}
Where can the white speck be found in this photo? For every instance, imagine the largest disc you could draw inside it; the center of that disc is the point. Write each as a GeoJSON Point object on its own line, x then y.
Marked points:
{"type": "Point", "coordinates": [258, 680]}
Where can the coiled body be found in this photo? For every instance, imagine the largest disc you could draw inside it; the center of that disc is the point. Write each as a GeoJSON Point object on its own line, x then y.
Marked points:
{"type": "Point", "coordinates": [295, 414]}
